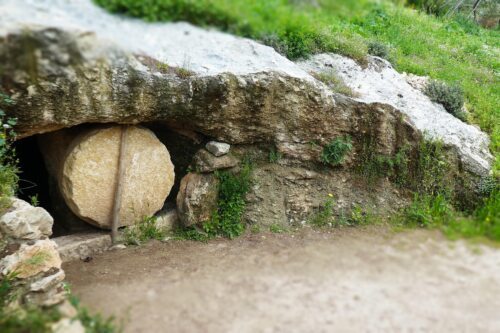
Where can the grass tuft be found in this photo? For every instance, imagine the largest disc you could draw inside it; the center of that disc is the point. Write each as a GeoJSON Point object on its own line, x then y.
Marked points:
{"type": "Point", "coordinates": [143, 231]}
{"type": "Point", "coordinates": [335, 152]}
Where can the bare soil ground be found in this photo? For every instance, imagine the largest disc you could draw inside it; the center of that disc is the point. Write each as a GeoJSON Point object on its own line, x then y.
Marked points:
{"type": "Point", "coordinates": [352, 280]}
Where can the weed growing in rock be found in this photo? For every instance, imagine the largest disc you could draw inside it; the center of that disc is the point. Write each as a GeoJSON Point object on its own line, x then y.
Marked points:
{"type": "Point", "coordinates": [276, 228]}
{"type": "Point", "coordinates": [274, 156]}
{"type": "Point", "coordinates": [255, 229]}
{"type": "Point", "coordinates": [226, 221]}
{"type": "Point", "coordinates": [334, 153]}
{"type": "Point", "coordinates": [335, 83]}
{"type": "Point", "coordinates": [431, 173]}
{"type": "Point", "coordinates": [324, 216]}
{"type": "Point", "coordinates": [143, 231]}
{"type": "Point", "coordinates": [374, 166]}
{"type": "Point", "coordinates": [378, 49]}
{"type": "Point", "coordinates": [450, 96]}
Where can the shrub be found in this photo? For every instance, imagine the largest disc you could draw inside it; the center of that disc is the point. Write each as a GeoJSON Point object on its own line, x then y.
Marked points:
{"type": "Point", "coordinates": [378, 49]}
{"type": "Point", "coordinates": [487, 185]}
{"type": "Point", "coordinates": [334, 153]}
{"type": "Point", "coordinates": [8, 162]}
{"type": "Point", "coordinates": [324, 216]}
{"type": "Point", "coordinates": [434, 7]}
{"type": "Point", "coordinates": [450, 96]}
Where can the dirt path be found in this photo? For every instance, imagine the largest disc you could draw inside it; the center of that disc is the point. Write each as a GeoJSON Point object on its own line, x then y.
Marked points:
{"type": "Point", "coordinates": [368, 280]}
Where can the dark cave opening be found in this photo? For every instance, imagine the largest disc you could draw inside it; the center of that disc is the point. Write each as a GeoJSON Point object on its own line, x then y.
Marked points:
{"type": "Point", "coordinates": [37, 185]}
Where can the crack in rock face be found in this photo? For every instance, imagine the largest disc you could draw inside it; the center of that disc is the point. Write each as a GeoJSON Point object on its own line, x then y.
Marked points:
{"type": "Point", "coordinates": [70, 62]}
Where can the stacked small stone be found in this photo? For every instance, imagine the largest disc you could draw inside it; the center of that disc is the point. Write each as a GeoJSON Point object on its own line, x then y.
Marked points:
{"type": "Point", "coordinates": [31, 259]}
{"type": "Point", "coordinates": [198, 192]}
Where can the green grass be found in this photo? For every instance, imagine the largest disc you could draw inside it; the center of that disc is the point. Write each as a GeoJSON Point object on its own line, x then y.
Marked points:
{"type": "Point", "coordinates": [427, 211]}
{"type": "Point", "coordinates": [453, 50]}
{"type": "Point", "coordinates": [336, 150]}
{"type": "Point", "coordinates": [143, 231]}
{"type": "Point", "coordinates": [276, 228]}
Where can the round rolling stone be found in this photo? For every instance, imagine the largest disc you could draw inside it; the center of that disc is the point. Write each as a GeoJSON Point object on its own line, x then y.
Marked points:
{"type": "Point", "coordinates": [90, 172]}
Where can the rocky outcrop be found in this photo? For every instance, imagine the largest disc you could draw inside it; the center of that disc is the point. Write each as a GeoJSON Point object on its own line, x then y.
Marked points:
{"type": "Point", "coordinates": [380, 83]}
{"type": "Point", "coordinates": [85, 163]}
{"type": "Point", "coordinates": [69, 62]}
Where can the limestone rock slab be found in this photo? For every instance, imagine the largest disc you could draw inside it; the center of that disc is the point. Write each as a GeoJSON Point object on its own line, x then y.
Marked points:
{"type": "Point", "coordinates": [30, 260]}
{"type": "Point", "coordinates": [23, 221]}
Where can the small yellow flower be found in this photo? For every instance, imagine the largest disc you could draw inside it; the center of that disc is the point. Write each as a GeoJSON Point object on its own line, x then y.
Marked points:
{"type": "Point", "coordinates": [330, 195]}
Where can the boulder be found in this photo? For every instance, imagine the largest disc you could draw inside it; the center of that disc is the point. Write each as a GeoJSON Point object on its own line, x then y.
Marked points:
{"type": "Point", "coordinates": [167, 220]}
{"type": "Point", "coordinates": [204, 161]}
{"type": "Point", "coordinates": [86, 167]}
{"type": "Point", "coordinates": [218, 148]}
{"type": "Point", "coordinates": [30, 260]}
{"type": "Point", "coordinates": [69, 63]}
{"type": "Point", "coordinates": [197, 198]}
{"type": "Point", "coordinates": [23, 221]}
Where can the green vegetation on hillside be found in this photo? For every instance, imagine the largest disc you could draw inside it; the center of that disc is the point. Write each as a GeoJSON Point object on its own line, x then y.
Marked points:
{"type": "Point", "coordinates": [453, 50]}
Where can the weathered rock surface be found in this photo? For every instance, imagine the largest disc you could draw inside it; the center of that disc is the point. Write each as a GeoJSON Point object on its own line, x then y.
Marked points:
{"type": "Point", "coordinates": [218, 148]}
{"type": "Point", "coordinates": [87, 171]}
{"type": "Point", "coordinates": [69, 62]}
{"type": "Point", "coordinates": [197, 198]}
{"type": "Point", "coordinates": [31, 260]}
{"type": "Point", "coordinates": [167, 220]}
{"type": "Point", "coordinates": [48, 282]}
{"type": "Point", "coordinates": [23, 221]}
{"type": "Point", "coordinates": [380, 83]}
{"type": "Point", "coordinates": [81, 246]}
{"type": "Point", "coordinates": [204, 161]}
